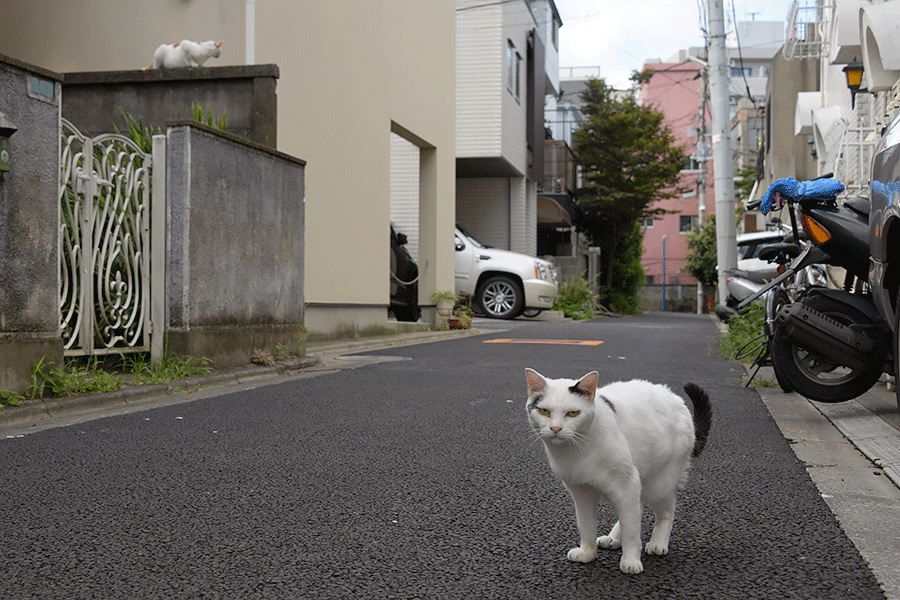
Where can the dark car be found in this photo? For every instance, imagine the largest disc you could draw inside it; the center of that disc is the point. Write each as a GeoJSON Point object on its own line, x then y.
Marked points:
{"type": "Point", "coordinates": [404, 280]}
{"type": "Point", "coordinates": [884, 234]}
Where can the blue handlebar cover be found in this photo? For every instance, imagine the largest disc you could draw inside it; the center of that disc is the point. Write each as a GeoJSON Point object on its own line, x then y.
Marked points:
{"type": "Point", "coordinates": [796, 190]}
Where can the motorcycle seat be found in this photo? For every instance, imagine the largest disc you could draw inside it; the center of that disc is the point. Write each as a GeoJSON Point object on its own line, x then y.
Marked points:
{"type": "Point", "coordinates": [754, 276]}
{"type": "Point", "coordinates": [781, 252]}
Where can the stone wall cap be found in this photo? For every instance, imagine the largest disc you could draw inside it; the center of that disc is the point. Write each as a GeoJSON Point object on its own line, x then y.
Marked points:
{"type": "Point", "coordinates": [4, 59]}
{"type": "Point", "coordinates": [235, 138]}
{"type": "Point", "coordinates": [164, 75]}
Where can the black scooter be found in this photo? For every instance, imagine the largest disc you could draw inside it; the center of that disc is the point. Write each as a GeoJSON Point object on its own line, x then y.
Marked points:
{"type": "Point", "coordinates": [828, 345]}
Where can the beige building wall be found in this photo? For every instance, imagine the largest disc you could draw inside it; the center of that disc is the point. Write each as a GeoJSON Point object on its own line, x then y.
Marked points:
{"type": "Point", "coordinates": [351, 73]}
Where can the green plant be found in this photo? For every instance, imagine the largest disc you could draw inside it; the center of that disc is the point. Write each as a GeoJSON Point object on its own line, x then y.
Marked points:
{"type": "Point", "coordinates": [701, 255]}
{"type": "Point", "coordinates": [139, 134]}
{"type": "Point", "coordinates": [197, 114]}
{"type": "Point", "coordinates": [10, 398]}
{"type": "Point", "coordinates": [744, 337]}
{"type": "Point", "coordinates": [464, 315]}
{"type": "Point", "coordinates": [443, 295]}
{"type": "Point", "coordinates": [574, 299]}
{"type": "Point", "coordinates": [170, 367]}
{"type": "Point", "coordinates": [74, 377]}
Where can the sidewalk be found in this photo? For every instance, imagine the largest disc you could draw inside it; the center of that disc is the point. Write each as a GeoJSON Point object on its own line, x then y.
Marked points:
{"type": "Point", "coordinates": [870, 422]}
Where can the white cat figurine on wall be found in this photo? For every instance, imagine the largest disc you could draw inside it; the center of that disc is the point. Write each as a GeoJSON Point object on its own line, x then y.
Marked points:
{"type": "Point", "coordinates": [629, 442]}
{"type": "Point", "coordinates": [185, 54]}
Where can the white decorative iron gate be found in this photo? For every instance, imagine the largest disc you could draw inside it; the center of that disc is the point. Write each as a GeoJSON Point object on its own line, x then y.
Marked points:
{"type": "Point", "coordinates": [105, 243]}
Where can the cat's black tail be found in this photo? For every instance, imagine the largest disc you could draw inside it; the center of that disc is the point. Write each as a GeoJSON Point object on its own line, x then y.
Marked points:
{"type": "Point", "coordinates": [702, 416]}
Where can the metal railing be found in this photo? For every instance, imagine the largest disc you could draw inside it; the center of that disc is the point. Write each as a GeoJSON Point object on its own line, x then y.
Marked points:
{"type": "Point", "coordinates": [807, 29]}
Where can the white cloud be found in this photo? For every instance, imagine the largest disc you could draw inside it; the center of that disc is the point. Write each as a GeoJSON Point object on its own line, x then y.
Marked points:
{"type": "Point", "coordinates": [620, 36]}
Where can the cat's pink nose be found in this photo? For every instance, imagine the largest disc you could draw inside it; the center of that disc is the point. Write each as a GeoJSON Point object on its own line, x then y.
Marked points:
{"type": "Point", "coordinates": [555, 429]}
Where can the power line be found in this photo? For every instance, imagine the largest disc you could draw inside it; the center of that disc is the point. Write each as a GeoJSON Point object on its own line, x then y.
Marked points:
{"type": "Point", "coordinates": [741, 55]}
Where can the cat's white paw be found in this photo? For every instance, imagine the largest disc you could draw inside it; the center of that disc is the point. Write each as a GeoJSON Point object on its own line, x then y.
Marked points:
{"type": "Point", "coordinates": [580, 555]}
{"type": "Point", "coordinates": [609, 543]}
{"type": "Point", "coordinates": [657, 549]}
{"type": "Point", "coordinates": [631, 566]}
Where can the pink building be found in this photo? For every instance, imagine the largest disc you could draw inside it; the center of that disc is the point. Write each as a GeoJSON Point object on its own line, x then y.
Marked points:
{"type": "Point", "coordinates": [675, 89]}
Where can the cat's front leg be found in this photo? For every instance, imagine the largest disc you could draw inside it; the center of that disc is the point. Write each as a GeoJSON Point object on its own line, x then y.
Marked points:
{"type": "Point", "coordinates": [628, 507]}
{"type": "Point", "coordinates": [611, 540]}
{"type": "Point", "coordinates": [586, 499]}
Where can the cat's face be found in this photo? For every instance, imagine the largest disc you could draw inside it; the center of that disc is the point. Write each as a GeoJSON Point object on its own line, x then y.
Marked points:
{"type": "Point", "coordinates": [560, 410]}
{"type": "Point", "coordinates": [212, 48]}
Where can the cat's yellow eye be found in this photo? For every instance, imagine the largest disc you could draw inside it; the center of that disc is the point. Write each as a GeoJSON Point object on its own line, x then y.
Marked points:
{"type": "Point", "coordinates": [544, 412]}
{"type": "Point", "coordinates": [573, 413]}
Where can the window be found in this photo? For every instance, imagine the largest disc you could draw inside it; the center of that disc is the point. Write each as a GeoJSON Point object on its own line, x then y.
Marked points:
{"type": "Point", "coordinates": [648, 224]}
{"type": "Point", "coordinates": [691, 164]}
{"type": "Point", "coordinates": [686, 223]}
{"type": "Point", "coordinates": [518, 76]}
{"type": "Point", "coordinates": [510, 64]}
{"type": "Point", "coordinates": [513, 70]}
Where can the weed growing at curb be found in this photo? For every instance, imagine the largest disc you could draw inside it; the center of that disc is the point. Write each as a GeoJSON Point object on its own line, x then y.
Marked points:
{"type": "Point", "coordinates": [90, 375]}
{"type": "Point", "coordinates": [743, 331]}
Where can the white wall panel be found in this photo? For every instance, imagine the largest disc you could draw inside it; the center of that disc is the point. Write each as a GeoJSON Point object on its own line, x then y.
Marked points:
{"type": "Point", "coordinates": [482, 209]}
{"type": "Point", "coordinates": [405, 191]}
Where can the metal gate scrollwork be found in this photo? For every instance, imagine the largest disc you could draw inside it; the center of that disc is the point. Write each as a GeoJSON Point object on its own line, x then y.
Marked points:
{"type": "Point", "coordinates": [104, 194]}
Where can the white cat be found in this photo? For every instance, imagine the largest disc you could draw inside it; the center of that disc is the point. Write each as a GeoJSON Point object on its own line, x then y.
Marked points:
{"type": "Point", "coordinates": [629, 442]}
{"type": "Point", "coordinates": [185, 54]}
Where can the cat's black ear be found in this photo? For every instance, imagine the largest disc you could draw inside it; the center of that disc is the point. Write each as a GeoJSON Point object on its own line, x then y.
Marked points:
{"type": "Point", "coordinates": [587, 385]}
{"type": "Point", "coordinates": [536, 381]}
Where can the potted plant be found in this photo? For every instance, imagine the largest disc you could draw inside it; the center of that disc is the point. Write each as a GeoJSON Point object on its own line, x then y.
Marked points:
{"type": "Point", "coordinates": [444, 300]}
{"type": "Point", "coordinates": [462, 317]}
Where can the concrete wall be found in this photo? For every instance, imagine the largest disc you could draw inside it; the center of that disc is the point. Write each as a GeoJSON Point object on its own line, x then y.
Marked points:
{"type": "Point", "coordinates": [245, 96]}
{"type": "Point", "coordinates": [234, 264]}
{"type": "Point", "coordinates": [679, 298]}
{"type": "Point", "coordinates": [29, 224]}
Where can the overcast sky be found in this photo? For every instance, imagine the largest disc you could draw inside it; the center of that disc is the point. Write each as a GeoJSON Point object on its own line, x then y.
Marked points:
{"type": "Point", "coordinates": [620, 35]}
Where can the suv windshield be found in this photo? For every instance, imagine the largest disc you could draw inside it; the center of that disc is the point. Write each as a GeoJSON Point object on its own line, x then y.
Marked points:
{"type": "Point", "coordinates": [474, 241]}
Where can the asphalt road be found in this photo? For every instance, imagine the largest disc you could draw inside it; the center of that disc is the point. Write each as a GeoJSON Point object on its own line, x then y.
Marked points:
{"type": "Point", "coordinates": [414, 476]}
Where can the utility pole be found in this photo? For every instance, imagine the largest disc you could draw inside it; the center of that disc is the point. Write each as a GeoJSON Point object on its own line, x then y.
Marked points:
{"type": "Point", "coordinates": [702, 156]}
{"type": "Point", "coordinates": [719, 75]}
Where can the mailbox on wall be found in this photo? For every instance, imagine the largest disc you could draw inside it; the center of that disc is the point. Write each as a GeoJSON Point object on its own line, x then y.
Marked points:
{"type": "Point", "coordinates": [6, 131]}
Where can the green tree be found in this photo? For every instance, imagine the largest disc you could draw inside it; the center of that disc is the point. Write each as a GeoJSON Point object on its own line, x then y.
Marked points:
{"type": "Point", "coordinates": [629, 160]}
{"type": "Point", "coordinates": [701, 255]}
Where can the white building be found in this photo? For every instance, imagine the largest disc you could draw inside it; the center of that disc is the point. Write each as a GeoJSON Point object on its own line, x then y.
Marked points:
{"type": "Point", "coordinates": [506, 62]}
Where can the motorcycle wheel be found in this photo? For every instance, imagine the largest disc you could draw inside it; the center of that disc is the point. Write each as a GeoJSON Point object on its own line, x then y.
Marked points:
{"type": "Point", "coordinates": [895, 340]}
{"type": "Point", "coordinates": [781, 298]}
{"type": "Point", "coordinates": [815, 376]}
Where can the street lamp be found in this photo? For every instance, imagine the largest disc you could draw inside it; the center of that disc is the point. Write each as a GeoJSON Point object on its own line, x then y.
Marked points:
{"type": "Point", "coordinates": [854, 72]}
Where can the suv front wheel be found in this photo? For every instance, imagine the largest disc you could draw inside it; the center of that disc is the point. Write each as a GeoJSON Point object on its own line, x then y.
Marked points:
{"type": "Point", "coordinates": [501, 297]}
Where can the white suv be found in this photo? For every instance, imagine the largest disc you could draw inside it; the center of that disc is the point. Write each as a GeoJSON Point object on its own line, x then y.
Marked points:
{"type": "Point", "coordinates": [504, 284]}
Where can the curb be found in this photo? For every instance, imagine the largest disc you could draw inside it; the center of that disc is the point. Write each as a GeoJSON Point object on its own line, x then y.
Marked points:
{"type": "Point", "coordinates": [36, 410]}
{"type": "Point", "coordinates": [877, 440]}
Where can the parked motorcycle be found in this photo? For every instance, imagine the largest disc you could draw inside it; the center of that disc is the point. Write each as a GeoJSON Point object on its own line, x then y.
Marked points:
{"type": "Point", "coordinates": [829, 345]}
{"type": "Point", "coordinates": [741, 284]}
